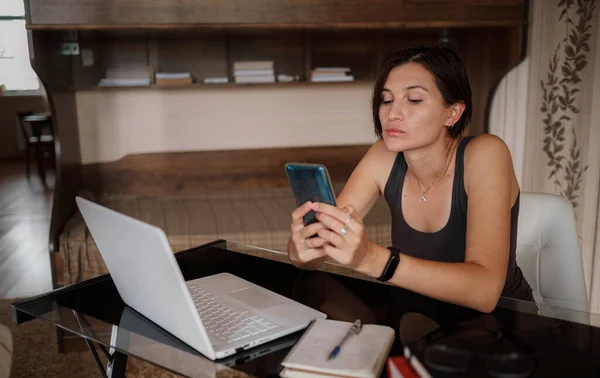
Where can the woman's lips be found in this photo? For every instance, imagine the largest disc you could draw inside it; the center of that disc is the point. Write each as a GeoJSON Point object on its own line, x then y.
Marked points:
{"type": "Point", "coordinates": [394, 132]}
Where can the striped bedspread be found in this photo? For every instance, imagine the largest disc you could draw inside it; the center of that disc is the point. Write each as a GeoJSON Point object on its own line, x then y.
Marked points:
{"type": "Point", "coordinates": [258, 217]}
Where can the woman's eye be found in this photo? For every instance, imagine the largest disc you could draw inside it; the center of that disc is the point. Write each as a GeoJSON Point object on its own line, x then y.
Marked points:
{"type": "Point", "coordinates": [386, 102]}
{"type": "Point", "coordinates": [414, 100]}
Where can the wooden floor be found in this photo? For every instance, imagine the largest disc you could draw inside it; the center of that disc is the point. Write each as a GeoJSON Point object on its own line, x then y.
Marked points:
{"type": "Point", "coordinates": [24, 224]}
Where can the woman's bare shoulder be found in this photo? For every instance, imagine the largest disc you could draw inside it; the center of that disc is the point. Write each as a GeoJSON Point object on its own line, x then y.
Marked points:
{"type": "Point", "coordinates": [379, 161]}
{"type": "Point", "coordinates": [485, 156]}
{"type": "Point", "coordinates": [487, 147]}
{"type": "Point", "coordinates": [379, 151]}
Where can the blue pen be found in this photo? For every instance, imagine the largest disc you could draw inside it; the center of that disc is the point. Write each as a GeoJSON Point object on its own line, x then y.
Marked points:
{"type": "Point", "coordinates": [354, 330]}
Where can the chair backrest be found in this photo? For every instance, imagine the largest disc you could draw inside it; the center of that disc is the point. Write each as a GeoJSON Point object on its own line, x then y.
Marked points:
{"type": "Point", "coordinates": [23, 125]}
{"type": "Point", "coordinates": [548, 251]}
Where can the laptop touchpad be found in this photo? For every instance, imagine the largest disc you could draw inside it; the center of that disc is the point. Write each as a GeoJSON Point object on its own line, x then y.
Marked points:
{"type": "Point", "coordinates": [255, 298]}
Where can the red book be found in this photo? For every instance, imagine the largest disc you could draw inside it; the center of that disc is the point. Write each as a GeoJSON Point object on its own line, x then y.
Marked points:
{"type": "Point", "coordinates": [400, 367]}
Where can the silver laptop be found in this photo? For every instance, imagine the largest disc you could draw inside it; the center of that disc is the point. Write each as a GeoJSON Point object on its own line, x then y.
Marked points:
{"type": "Point", "coordinates": [217, 315]}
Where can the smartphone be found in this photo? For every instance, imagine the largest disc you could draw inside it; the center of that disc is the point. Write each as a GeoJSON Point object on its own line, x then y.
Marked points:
{"type": "Point", "coordinates": [310, 182]}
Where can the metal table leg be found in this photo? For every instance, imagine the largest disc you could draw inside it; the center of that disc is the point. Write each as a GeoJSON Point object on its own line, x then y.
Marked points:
{"type": "Point", "coordinates": [117, 361]}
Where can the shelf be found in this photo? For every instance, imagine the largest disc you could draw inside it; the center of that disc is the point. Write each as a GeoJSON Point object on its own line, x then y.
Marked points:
{"type": "Point", "coordinates": [214, 54]}
{"type": "Point", "coordinates": [231, 85]}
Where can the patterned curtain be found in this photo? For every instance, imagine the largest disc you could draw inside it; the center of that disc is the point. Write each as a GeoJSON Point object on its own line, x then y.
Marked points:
{"type": "Point", "coordinates": [562, 142]}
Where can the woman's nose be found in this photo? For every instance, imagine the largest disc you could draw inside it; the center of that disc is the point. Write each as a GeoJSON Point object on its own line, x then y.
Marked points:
{"type": "Point", "coordinates": [396, 112]}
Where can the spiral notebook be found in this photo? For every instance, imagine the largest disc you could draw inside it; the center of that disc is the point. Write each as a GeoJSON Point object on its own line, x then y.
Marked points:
{"type": "Point", "coordinates": [361, 356]}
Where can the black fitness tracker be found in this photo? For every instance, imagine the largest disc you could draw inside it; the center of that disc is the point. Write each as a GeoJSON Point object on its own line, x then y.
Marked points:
{"type": "Point", "coordinates": [392, 264]}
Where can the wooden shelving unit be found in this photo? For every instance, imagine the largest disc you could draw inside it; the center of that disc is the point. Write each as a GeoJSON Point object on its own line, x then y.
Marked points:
{"type": "Point", "coordinates": [211, 53]}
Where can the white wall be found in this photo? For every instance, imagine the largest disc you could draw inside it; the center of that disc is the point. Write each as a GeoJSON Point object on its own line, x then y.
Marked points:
{"type": "Point", "coordinates": [117, 122]}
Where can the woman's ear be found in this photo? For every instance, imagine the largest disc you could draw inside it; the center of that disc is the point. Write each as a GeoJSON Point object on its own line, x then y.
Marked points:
{"type": "Point", "coordinates": [456, 111]}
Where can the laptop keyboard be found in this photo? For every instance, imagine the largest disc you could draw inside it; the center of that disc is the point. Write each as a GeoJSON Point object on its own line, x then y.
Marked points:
{"type": "Point", "coordinates": [224, 322]}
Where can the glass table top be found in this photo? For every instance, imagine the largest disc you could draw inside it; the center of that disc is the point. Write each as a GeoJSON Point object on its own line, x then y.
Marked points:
{"type": "Point", "coordinates": [94, 310]}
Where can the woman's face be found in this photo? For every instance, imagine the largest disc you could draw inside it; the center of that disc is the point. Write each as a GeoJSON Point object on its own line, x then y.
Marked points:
{"type": "Point", "coordinates": [412, 112]}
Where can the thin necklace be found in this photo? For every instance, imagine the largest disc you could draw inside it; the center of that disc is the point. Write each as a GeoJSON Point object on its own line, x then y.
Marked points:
{"type": "Point", "coordinates": [423, 199]}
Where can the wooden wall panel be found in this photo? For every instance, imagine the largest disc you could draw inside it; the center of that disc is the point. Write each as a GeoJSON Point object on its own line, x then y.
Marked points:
{"type": "Point", "coordinates": [56, 73]}
{"type": "Point", "coordinates": [403, 38]}
{"type": "Point", "coordinates": [296, 12]}
{"type": "Point", "coordinates": [284, 48]}
{"type": "Point", "coordinates": [54, 69]}
{"type": "Point", "coordinates": [488, 54]}
{"type": "Point", "coordinates": [68, 163]}
{"type": "Point", "coordinates": [124, 53]}
{"type": "Point", "coordinates": [203, 56]}
{"type": "Point", "coordinates": [354, 49]}
{"type": "Point", "coordinates": [193, 172]}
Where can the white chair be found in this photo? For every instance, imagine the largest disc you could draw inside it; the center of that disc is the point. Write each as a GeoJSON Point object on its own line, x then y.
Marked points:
{"type": "Point", "coordinates": [548, 251]}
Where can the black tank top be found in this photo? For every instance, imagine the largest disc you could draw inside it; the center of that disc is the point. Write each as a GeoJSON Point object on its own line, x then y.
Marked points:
{"type": "Point", "coordinates": [449, 243]}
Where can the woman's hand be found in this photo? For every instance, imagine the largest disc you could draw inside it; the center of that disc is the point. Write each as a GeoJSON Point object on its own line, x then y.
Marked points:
{"type": "Point", "coordinates": [305, 252]}
{"type": "Point", "coordinates": [345, 235]}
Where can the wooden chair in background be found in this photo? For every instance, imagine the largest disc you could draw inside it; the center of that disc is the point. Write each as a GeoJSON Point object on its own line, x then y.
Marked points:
{"type": "Point", "coordinates": [38, 135]}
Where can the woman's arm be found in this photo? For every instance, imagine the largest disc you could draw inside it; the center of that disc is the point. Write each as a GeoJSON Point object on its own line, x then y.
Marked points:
{"type": "Point", "coordinates": [477, 283]}
{"type": "Point", "coordinates": [361, 191]}
{"type": "Point", "coordinates": [364, 185]}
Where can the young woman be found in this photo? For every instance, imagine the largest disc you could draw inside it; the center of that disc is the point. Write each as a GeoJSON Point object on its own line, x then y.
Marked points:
{"type": "Point", "coordinates": [454, 201]}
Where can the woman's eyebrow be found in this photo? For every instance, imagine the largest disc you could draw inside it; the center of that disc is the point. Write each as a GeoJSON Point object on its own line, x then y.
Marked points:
{"type": "Point", "coordinates": [417, 87]}
{"type": "Point", "coordinates": [408, 88]}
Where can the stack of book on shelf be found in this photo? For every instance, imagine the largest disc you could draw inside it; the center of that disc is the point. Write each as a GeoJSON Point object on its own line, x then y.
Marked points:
{"type": "Point", "coordinates": [283, 78]}
{"type": "Point", "coordinates": [331, 74]}
{"type": "Point", "coordinates": [254, 72]}
{"type": "Point", "coordinates": [216, 80]}
{"type": "Point", "coordinates": [126, 77]}
{"type": "Point", "coordinates": [173, 78]}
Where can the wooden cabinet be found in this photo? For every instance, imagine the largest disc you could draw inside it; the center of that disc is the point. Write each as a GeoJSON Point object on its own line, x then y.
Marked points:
{"type": "Point", "coordinates": [310, 13]}
{"type": "Point", "coordinates": [212, 53]}
{"type": "Point", "coordinates": [206, 37]}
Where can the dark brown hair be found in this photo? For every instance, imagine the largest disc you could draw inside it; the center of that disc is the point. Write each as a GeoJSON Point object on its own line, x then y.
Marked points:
{"type": "Point", "coordinates": [450, 77]}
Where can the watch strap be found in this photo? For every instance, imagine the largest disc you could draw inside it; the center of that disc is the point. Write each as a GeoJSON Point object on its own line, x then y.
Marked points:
{"type": "Point", "coordinates": [391, 265]}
